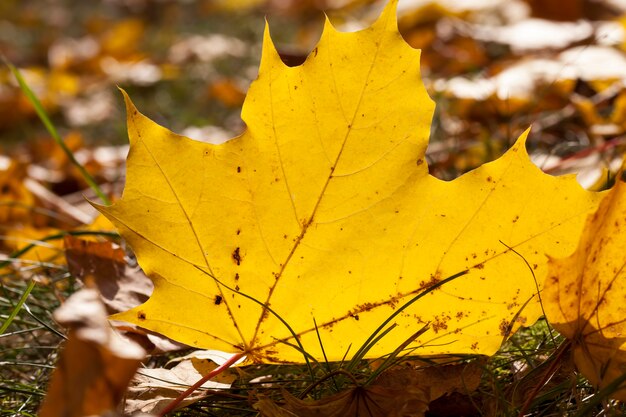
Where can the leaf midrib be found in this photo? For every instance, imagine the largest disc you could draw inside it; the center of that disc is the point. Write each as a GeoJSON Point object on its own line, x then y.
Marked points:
{"type": "Point", "coordinates": [322, 192]}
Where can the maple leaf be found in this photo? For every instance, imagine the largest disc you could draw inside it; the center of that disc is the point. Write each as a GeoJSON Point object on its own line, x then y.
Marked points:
{"type": "Point", "coordinates": [324, 212]}
{"type": "Point", "coordinates": [584, 294]}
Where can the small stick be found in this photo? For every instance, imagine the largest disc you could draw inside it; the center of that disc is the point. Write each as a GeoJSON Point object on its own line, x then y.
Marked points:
{"type": "Point", "coordinates": [171, 406]}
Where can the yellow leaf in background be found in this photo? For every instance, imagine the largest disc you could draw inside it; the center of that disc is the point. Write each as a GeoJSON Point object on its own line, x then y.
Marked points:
{"type": "Point", "coordinates": [99, 224]}
{"type": "Point", "coordinates": [236, 5]}
{"type": "Point", "coordinates": [123, 38]}
{"type": "Point", "coordinates": [324, 211]}
{"type": "Point", "coordinates": [227, 92]}
{"type": "Point", "coordinates": [16, 201]}
{"type": "Point", "coordinates": [584, 293]}
{"type": "Point", "coordinates": [50, 251]}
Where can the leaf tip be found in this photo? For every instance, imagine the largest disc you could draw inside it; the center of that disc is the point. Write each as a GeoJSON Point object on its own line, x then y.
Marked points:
{"type": "Point", "coordinates": [389, 15]}
{"type": "Point", "coordinates": [520, 143]}
{"type": "Point", "coordinates": [269, 54]}
{"type": "Point", "coordinates": [130, 107]}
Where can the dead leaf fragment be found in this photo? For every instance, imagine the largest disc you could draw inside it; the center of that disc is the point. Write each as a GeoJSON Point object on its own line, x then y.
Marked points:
{"type": "Point", "coordinates": [103, 264]}
{"type": "Point", "coordinates": [95, 365]}
{"type": "Point", "coordinates": [437, 380]}
{"type": "Point", "coordinates": [372, 401]}
{"type": "Point", "coordinates": [151, 390]}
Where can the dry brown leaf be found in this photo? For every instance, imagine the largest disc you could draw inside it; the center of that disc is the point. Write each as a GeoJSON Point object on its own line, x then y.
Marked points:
{"type": "Point", "coordinates": [372, 401]}
{"type": "Point", "coordinates": [96, 364]}
{"type": "Point", "coordinates": [557, 10]}
{"type": "Point", "coordinates": [438, 380]}
{"type": "Point", "coordinates": [151, 390]}
{"type": "Point", "coordinates": [102, 264]}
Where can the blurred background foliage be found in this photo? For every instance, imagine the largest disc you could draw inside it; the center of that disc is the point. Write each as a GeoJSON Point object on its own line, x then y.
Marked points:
{"type": "Point", "coordinates": [493, 66]}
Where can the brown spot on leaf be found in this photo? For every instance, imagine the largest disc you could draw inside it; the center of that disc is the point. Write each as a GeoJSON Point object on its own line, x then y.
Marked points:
{"type": "Point", "coordinates": [218, 300]}
{"type": "Point", "coordinates": [434, 279]}
{"type": "Point", "coordinates": [237, 256]}
{"type": "Point", "coordinates": [440, 323]}
{"type": "Point", "coordinates": [505, 328]}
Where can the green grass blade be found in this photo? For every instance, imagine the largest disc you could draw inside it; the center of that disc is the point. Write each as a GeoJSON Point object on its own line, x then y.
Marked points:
{"type": "Point", "coordinates": [374, 337]}
{"type": "Point", "coordinates": [18, 307]}
{"type": "Point", "coordinates": [43, 116]}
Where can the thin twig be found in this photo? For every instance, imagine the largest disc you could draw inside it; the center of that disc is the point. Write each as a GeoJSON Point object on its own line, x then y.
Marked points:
{"type": "Point", "coordinates": [171, 406]}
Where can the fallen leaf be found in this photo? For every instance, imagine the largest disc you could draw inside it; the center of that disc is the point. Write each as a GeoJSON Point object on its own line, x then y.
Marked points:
{"type": "Point", "coordinates": [151, 390]}
{"type": "Point", "coordinates": [103, 265]}
{"type": "Point", "coordinates": [95, 365]}
{"type": "Point", "coordinates": [324, 211]}
{"type": "Point", "coordinates": [557, 10]}
{"type": "Point", "coordinates": [373, 401]}
{"type": "Point", "coordinates": [122, 39]}
{"type": "Point", "coordinates": [227, 91]}
{"type": "Point", "coordinates": [44, 251]}
{"type": "Point", "coordinates": [584, 294]}
{"type": "Point", "coordinates": [437, 381]}
{"type": "Point", "coordinates": [17, 203]}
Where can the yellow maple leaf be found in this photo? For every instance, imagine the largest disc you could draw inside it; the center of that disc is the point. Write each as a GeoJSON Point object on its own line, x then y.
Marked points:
{"type": "Point", "coordinates": [584, 294]}
{"type": "Point", "coordinates": [324, 212]}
